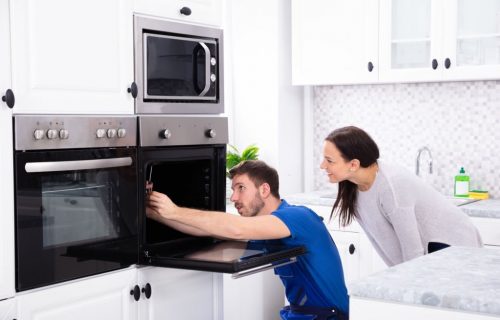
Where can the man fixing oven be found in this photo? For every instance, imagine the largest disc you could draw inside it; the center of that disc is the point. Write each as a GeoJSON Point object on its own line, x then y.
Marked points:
{"type": "Point", "coordinates": [315, 284]}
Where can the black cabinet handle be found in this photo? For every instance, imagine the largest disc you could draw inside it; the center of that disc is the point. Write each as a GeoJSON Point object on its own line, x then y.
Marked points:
{"type": "Point", "coordinates": [133, 90]}
{"type": "Point", "coordinates": [136, 292]}
{"type": "Point", "coordinates": [9, 98]}
{"type": "Point", "coordinates": [370, 66]}
{"type": "Point", "coordinates": [447, 63]}
{"type": "Point", "coordinates": [147, 290]}
{"type": "Point", "coordinates": [352, 248]}
{"type": "Point", "coordinates": [434, 64]}
{"type": "Point", "coordinates": [185, 11]}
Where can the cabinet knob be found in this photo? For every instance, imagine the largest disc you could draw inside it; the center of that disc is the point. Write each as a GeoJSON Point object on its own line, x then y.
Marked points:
{"type": "Point", "coordinates": [185, 11]}
{"type": "Point", "coordinates": [434, 64]}
{"type": "Point", "coordinates": [133, 90]}
{"type": "Point", "coordinates": [447, 63]}
{"type": "Point", "coordinates": [352, 248]}
{"type": "Point", "coordinates": [147, 290]}
{"type": "Point", "coordinates": [370, 66]}
{"type": "Point", "coordinates": [9, 98]}
{"type": "Point", "coordinates": [136, 292]}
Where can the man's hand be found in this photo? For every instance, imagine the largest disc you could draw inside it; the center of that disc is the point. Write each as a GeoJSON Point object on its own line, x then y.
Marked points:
{"type": "Point", "coordinates": [160, 206]}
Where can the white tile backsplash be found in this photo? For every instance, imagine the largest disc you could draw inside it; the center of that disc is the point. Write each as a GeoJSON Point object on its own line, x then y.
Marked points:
{"type": "Point", "coordinates": [458, 121]}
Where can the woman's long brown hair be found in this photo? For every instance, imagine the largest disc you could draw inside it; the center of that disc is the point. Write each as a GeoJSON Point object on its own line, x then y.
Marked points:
{"type": "Point", "coordinates": [353, 143]}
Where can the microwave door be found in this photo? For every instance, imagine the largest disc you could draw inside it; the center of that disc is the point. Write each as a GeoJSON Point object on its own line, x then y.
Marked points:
{"type": "Point", "coordinates": [201, 69]}
{"type": "Point", "coordinates": [239, 258]}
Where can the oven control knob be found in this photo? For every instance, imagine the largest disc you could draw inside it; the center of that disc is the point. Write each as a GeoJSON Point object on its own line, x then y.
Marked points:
{"type": "Point", "coordinates": [63, 134]}
{"type": "Point", "coordinates": [100, 133]}
{"type": "Point", "coordinates": [38, 134]}
{"type": "Point", "coordinates": [210, 133]}
{"type": "Point", "coordinates": [213, 77]}
{"type": "Point", "coordinates": [111, 133]}
{"type": "Point", "coordinates": [52, 133]}
{"type": "Point", "coordinates": [121, 133]}
{"type": "Point", "coordinates": [165, 134]}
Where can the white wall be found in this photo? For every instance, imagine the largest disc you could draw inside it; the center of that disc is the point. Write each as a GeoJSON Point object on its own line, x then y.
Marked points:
{"type": "Point", "coordinates": [458, 121]}
{"type": "Point", "coordinates": [264, 108]}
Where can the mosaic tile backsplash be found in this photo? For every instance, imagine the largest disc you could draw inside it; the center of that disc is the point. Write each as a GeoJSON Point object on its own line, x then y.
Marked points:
{"type": "Point", "coordinates": [457, 121]}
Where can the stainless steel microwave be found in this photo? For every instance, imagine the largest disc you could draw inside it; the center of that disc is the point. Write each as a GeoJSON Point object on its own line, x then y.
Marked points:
{"type": "Point", "coordinates": [178, 68]}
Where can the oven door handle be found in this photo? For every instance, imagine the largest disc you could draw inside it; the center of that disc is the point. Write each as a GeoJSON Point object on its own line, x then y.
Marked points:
{"type": "Point", "coordinates": [53, 166]}
{"type": "Point", "coordinates": [263, 268]}
{"type": "Point", "coordinates": [207, 69]}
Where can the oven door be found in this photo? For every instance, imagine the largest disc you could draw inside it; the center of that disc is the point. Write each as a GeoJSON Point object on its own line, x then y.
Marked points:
{"type": "Point", "coordinates": [76, 214]}
{"type": "Point", "coordinates": [195, 177]}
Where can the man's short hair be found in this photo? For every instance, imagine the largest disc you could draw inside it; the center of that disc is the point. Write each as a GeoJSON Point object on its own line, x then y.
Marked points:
{"type": "Point", "coordinates": [259, 172]}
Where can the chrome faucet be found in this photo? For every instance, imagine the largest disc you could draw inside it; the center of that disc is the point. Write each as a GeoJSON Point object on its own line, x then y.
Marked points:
{"type": "Point", "coordinates": [417, 170]}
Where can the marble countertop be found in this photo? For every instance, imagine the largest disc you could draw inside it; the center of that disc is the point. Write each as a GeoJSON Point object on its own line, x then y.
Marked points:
{"type": "Point", "coordinates": [464, 279]}
{"type": "Point", "coordinates": [489, 208]}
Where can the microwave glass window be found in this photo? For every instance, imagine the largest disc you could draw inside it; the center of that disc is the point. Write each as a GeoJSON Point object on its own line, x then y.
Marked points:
{"type": "Point", "coordinates": [78, 207]}
{"type": "Point", "coordinates": [177, 67]}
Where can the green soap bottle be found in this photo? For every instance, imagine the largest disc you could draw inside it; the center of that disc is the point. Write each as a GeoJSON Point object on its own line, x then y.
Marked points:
{"type": "Point", "coordinates": [462, 184]}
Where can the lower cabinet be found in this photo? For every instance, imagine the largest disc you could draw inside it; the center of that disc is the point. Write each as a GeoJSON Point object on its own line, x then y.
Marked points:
{"type": "Point", "coordinates": [8, 309]}
{"type": "Point", "coordinates": [101, 297]}
{"type": "Point", "coordinates": [177, 294]}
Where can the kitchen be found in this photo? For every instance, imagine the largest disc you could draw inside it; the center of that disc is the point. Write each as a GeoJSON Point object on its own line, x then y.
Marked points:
{"type": "Point", "coordinates": [424, 107]}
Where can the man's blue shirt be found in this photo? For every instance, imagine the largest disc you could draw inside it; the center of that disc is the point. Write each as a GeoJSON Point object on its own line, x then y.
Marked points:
{"type": "Point", "coordinates": [316, 279]}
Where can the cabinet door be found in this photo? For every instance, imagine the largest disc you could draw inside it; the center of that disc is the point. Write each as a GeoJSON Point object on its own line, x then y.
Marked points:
{"type": "Point", "coordinates": [472, 39]}
{"type": "Point", "coordinates": [200, 11]}
{"type": "Point", "coordinates": [410, 40]}
{"type": "Point", "coordinates": [333, 41]}
{"type": "Point", "coordinates": [6, 166]}
{"type": "Point", "coordinates": [103, 297]}
{"type": "Point", "coordinates": [349, 249]}
{"type": "Point", "coordinates": [176, 294]}
{"type": "Point", "coordinates": [72, 57]}
{"type": "Point", "coordinates": [8, 309]}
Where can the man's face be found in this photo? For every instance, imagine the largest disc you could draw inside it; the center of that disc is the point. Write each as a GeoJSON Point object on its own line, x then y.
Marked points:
{"type": "Point", "coordinates": [246, 196]}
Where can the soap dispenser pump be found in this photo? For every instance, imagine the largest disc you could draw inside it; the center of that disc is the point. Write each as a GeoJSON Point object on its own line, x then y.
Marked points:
{"type": "Point", "coordinates": [462, 184]}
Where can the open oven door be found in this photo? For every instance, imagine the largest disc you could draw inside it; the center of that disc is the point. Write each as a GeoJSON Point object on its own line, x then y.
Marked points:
{"type": "Point", "coordinates": [240, 258]}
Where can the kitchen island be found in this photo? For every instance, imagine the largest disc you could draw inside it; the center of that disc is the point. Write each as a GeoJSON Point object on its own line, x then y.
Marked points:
{"type": "Point", "coordinates": [454, 283]}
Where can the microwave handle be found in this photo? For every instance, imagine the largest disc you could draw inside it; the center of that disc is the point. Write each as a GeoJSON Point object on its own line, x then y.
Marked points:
{"type": "Point", "coordinates": [207, 68]}
{"type": "Point", "coordinates": [53, 166]}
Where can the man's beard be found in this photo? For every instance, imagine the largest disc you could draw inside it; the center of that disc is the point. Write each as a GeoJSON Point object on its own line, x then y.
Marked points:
{"type": "Point", "coordinates": [255, 206]}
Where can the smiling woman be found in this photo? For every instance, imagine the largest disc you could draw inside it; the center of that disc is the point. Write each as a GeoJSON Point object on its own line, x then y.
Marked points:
{"type": "Point", "coordinates": [402, 215]}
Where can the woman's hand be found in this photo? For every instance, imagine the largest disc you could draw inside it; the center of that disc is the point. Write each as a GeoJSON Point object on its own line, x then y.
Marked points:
{"type": "Point", "coordinates": [159, 206]}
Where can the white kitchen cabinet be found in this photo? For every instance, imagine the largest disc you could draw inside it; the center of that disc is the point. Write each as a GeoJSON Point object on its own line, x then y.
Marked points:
{"type": "Point", "coordinates": [102, 297]}
{"type": "Point", "coordinates": [177, 294]}
{"type": "Point", "coordinates": [208, 12]}
{"type": "Point", "coordinates": [489, 228]}
{"type": "Point", "coordinates": [334, 41]}
{"type": "Point", "coordinates": [7, 275]}
{"type": "Point", "coordinates": [72, 57]}
{"type": "Point", "coordinates": [348, 247]}
{"type": "Point", "coordinates": [8, 309]}
{"type": "Point", "coordinates": [439, 40]}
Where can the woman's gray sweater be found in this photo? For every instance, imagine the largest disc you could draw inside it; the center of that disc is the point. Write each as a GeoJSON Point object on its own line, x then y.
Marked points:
{"type": "Point", "coordinates": [401, 214]}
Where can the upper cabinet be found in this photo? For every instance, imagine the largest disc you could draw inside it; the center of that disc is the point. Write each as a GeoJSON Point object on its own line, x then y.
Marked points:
{"type": "Point", "coordinates": [72, 57]}
{"type": "Point", "coordinates": [424, 40]}
{"type": "Point", "coordinates": [434, 40]}
{"type": "Point", "coordinates": [334, 41]}
{"type": "Point", "coordinates": [208, 12]}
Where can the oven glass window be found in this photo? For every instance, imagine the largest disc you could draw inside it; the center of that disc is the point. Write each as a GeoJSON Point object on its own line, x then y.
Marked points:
{"type": "Point", "coordinates": [78, 207]}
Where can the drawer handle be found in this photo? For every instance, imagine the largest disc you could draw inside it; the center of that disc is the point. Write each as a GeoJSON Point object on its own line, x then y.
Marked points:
{"type": "Point", "coordinates": [185, 11]}
{"type": "Point", "coordinates": [352, 248]}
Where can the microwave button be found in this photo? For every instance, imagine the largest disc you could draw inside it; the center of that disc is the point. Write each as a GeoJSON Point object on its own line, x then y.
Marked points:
{"type": "Point", "coordinates": [121, 133]}
{"type": "Point", "coordinates": [63, 134]}
{"type": "Point", "coordinates": [38, 134]}
{"type": "Point", "coordinates": [100, 133]}
{"type": "Point", "coordinates": [52, 134]}
{"type": "Point", "coordinates": [213, 61]}
{"type": "Point", "coordinates": [165, 134]}
{"type": "Point", "coordinates": [111, 133]}
{"type": "Point", "coordinates": [213, 77]}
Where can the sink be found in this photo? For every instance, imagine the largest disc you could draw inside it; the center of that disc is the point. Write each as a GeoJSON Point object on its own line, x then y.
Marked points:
{"type": "Point", "coordinates": [460, 201]}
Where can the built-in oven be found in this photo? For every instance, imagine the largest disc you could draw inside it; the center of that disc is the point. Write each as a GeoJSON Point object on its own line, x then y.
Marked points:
{"type": "Point", "coordinates": [178, 67]}
{"type": "Point", "coordinates": [75, 197]}
{"type": "Point", "coordinates": [185, 158]}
